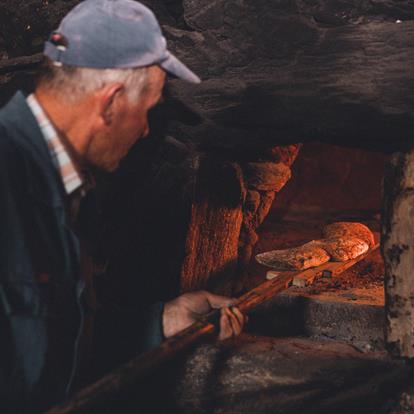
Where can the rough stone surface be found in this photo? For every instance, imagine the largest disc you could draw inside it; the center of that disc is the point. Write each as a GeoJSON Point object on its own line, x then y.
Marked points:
{"type": "Point", "coordinates": [262, 180]}
{"type": "Point", "coordinates": [274, 71]}
{"type": "Point", "coordinates": [289, 375]}
{"type": "Point", "coordinates": [398, 252]}
{"type": "Point", "coordinates": [327, 179]}
{"type": "Point", "coordinates": [256, 208]}
{"type": "Point", "coordinates": [266, 176]}
{"type": "Point", "coordinates": [214, 230]}
{"type": "Point", "coordinates": [293, 71]}
{"type": "Point", "coordinates": [405, 403]}
{"type": "Point", "coordinates": [257, 374]}
{"type": "Point", "coordinates": [285, 153]}
{"type": "Point", "coordinates": [353, 315]}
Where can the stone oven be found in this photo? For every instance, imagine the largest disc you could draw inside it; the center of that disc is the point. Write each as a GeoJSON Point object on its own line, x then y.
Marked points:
{"type": "Point", "coordinates": [305, 116]}
{"type": "Point", "coordinates": [323, 83]}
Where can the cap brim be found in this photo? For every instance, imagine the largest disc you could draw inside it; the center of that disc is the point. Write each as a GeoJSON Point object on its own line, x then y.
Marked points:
{"type": "Point", "coordinates": [178, 69]}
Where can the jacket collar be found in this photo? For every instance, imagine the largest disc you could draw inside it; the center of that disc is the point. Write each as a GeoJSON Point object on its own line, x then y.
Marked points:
{"type": "Point", "coordinates": [16, 116]}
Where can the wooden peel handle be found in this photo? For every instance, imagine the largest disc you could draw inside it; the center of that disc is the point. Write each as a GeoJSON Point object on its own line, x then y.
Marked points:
{"type": "Point", "coordinates": [142, 365]}
{"type": "Point", "coordinates": [139, 367]}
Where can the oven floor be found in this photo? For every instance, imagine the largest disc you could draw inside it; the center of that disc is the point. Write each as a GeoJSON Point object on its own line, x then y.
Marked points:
{"type": "Point", "coordinates": [312, 350]}
{"type": "Point", "coordinates": [367, 275]}
{"type": "Point", "coordinates": [259, 374]}
{"type": "Point", "coordinates": [348, 307]}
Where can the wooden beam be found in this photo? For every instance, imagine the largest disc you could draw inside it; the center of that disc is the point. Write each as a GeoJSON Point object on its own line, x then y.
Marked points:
{"type": "Point", "coordinates": [19, 63]}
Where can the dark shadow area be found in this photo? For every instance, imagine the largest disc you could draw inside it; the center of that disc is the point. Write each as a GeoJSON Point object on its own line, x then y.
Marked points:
{"type": "Point", "coordinates": [145, 210]}
{"type": "Point", "coordinates": [15, 81]}
{"type": "Point", "coordinates": [286, 319]}
{"type": "Point", "coordinates": [256, 376]}
{"type": "Point", "coordinates": [153, 395]}
{"type": "Point", "coordinates": [353, 391]}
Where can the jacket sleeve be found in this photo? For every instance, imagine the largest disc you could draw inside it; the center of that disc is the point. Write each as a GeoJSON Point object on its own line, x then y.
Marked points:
{"type": "Point", "coordinates": [121, 334]}
{"type": "Point", "coordinates": [152, 326]}
{"type": "Point", "coordinates": [22, 345]}
{"type": "Point", "coordinates": [14, 254]}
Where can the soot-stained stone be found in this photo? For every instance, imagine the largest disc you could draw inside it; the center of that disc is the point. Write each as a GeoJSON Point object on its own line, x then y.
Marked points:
{"type": "Point", "coordinates": [274, 72]}
{"type": "Point", "coordinates": [211, 250]}
{"type": "Point", "coordinates": [397, 248]}
{"type": "Point", "coordinates": [266, 176]}
{"type": "Point", "coordinates": [292, 71]}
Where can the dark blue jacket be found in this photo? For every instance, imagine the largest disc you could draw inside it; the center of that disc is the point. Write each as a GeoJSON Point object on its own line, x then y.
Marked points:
{"type": "Point", "coordinates": [40, 282]}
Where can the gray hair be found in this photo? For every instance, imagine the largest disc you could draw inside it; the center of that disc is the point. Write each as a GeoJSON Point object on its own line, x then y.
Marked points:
{"type": "Point", "coordinates": [73, 83]}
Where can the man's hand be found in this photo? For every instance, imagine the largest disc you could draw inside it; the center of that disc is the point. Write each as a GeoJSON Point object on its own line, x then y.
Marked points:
{"type": "Point", "coordinates": [183, 311]}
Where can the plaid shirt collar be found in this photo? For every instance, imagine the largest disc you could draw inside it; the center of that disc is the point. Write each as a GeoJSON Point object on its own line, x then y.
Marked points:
{"type": "Point", "coordinates": [71, 178]}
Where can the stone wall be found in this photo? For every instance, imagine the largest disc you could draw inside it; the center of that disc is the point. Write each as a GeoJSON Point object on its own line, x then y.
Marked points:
{"type": "Point", "coordinates": [328, 179]}
{"type": "Point", "coordinates": [275, 73]}
{"type": "Point", "coordinates": [398, 252]}
{"type": "Point", "coordinates": [231, 200]}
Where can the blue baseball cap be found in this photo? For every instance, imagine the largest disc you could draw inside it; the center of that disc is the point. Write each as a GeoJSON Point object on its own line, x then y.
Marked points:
{"type": "Point", "coordinates": [110, 34]}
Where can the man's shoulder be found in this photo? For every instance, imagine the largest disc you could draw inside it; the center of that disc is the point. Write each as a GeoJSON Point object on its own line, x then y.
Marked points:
{"type": "Point", "coordinates": [9, 148]}
{"type": "Point", "coordinates": [16, 154]}
{"type": "Point", "coordinates": [19, 132]}
{"type": "Point", "coordinates": [24, 154]}
{"type": "Point", "coordinates": [14, 108]}
{"type": "Point", "coordinates": [13, 164]}
{"type": "Point", "coordinates": [13, 117]}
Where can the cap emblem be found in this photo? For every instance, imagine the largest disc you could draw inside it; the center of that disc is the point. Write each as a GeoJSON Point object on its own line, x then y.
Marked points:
{"type": "Point", "coordinates": [59, 41]}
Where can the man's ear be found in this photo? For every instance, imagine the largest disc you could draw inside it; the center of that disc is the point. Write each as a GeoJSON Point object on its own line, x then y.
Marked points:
{"type": "Point", "coordinates": [108, 99]}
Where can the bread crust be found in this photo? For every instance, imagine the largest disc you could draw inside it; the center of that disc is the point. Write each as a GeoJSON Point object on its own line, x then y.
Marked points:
{"type": "Point", "coordinates": [342, 241]}
{"type": "Point", "coordinates": [342, 249]}
{"type": "Point", "coordinates": [299, 258]}
{"type": "Point", "coordinates": [344, 229]}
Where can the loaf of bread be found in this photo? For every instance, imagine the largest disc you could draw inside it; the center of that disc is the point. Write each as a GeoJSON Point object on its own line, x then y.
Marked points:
{"type": "Point", "coordinates": [342, 249]}
{"type": "Point", "coordinates": [345, 230]}
{"type": "Point", "coordinates": [342, 241]}
{"type": "Point", "coordinates": [299, 258]}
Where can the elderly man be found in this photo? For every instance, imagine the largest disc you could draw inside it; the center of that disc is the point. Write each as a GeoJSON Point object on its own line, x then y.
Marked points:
{"type": "Point", "coordinates": [105, 69]}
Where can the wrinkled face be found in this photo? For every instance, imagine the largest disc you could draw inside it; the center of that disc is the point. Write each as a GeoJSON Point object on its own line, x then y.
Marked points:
{"type": "Point", "coordinates": [127, 122]}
